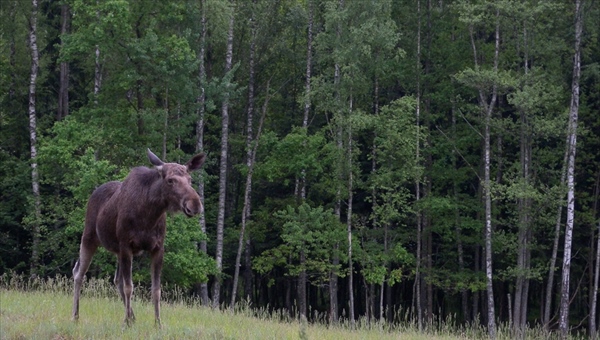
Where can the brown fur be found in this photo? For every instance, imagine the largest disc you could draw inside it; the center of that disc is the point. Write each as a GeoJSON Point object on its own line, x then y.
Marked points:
{"type": "Point", "coordinates": [128, 218]}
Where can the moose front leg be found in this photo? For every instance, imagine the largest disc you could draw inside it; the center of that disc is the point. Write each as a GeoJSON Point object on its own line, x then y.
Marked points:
{"type": "Point", "coordinates": [157, 263]}
{"type": "Point", "coordinates": [125, 261]}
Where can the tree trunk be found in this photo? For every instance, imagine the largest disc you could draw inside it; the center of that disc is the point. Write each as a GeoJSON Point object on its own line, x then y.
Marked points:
{"type": "Point", "coordinates": [551, 270]}
{"type": "Point", "coordinates": [524, 208]}
{"type": "Point", "coordinates": [35, 225]}
{"type": "Point", "coordinates": [223, 168]}
{"type": "Point", "coordinates": [200, 138]}
{"type": "Point", "coordinates": [573, 115]}
{"type": "Point", "coordinates": [487, 109]}
{"type": "Point", "coordinates": [249, 157]}
{"type": "Point", "coordinates": [307, 101]}
{"type": "Point", "coordinates": [63, 92]}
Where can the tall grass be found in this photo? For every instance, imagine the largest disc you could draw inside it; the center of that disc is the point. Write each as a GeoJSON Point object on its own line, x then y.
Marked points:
{"type": "Point", "coordinates": [41, 309]}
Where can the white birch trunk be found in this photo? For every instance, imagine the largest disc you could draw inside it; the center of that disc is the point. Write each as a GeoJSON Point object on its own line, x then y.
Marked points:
{"type": "Point", "coordinates": [487, 109]}
{"type": "Point", "coordinates": [223, 169]}
{"type": "Point", "coordinates": [250, 157]}
{"type": "Point", "coordinates": [35, 227]}
{"type": "Point", "coordinates": [573, 115]}
{"type": "Point", "coordinates": [200, 138]}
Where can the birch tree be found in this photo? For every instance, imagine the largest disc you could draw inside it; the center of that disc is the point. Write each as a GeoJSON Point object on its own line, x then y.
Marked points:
{"type": "Point", "coordinates": [485, 81]}
{"type": "Point", "coordinates": [250, 151]}
{"type": "Point", "coordinates": [571, 145]}
{"type": "Point", "coordinates": [35, 185]}
{"type": "Point", "coordinates": [223, 165]}
{"type": "Point", "coordinates": [201, 111]}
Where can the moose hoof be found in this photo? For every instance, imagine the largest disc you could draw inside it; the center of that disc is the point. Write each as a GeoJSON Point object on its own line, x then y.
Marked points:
{"type": "Point", "coordinates": [129, 321]}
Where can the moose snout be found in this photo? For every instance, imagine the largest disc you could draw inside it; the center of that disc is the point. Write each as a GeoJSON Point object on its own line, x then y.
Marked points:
{"type": "Point", "coordinates": [192, 207]}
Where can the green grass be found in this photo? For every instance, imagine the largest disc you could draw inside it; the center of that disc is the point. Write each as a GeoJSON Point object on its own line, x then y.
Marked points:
{"type": "Point", "coordinates": [47, 315]}
{"type": "Point", "coordinates": [37, 309]}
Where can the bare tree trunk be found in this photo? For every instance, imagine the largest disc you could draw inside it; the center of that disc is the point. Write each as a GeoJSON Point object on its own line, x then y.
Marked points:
{"type": "Point", "coordinates": [573, 115]}
{"type": "Point", "coordinates": [307, 101]}
{"type": "Point", "coordinates": [250, 161]}
{"type": "Point", "coordinates": [488, 233]}
{"type": "Point", "coordinates": [35, 226]}
{"type": "Point", "coordinates": [223, 168]}
{"type": "Point", "coordinates": [487, 109]}
{"type": "Point", "coordinates": [63, 92]}
{"type": "Point", "coordinates": [200, 138]}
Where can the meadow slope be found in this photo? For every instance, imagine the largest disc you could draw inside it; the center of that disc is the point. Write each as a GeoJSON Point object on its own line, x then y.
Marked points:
{"type": "Point", "coordinates": [47, 315]}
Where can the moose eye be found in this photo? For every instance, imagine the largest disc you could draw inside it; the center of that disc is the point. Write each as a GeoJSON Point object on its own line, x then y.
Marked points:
{"type": "Point", "coordinates": [170, 181]}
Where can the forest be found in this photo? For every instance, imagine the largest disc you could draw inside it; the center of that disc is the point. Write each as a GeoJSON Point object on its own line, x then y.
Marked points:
{"type": "Point", "coordinates": [375, 160]}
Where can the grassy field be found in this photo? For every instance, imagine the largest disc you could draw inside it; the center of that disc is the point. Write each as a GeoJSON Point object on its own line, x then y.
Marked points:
{"type": "Point", "coordinates": [42, 310]}
{"type": "Point", "coordinates": [46, 315]}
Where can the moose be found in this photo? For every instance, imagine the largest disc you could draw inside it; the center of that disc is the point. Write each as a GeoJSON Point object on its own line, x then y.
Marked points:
{"type": "Point", "coordinates": [129, 217]}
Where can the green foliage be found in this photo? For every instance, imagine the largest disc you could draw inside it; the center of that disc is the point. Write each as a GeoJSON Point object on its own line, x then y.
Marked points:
{"type": "Point", "coordinates": [395, 159]}
{"type": "Point", "coordinates": [184, 263]}
{"type": "Point", "coordinates": [371, 62]}
{"type": "Point", "coordinates": [290, 155]}
{"type": "Point", "coordinates": [314, 232]}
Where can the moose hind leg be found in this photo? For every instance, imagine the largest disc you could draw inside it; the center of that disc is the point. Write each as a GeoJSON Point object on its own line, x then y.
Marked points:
{"type": "Point", "coordinates": [119, 283]}
{"type": "Point", "coordinates": [157, 263]}
{"type": "Point", "coordinates": [86, 252]}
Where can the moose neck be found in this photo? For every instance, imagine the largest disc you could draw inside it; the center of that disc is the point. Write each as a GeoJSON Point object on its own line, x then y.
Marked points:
{"type": "Point", "coordinates": [145, 186]}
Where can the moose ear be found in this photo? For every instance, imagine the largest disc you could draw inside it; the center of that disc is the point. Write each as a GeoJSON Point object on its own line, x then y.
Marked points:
{"type": "Point", "coordinates": [196, 162]}
{"type": "Point", "coordinates": [155, 160]}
